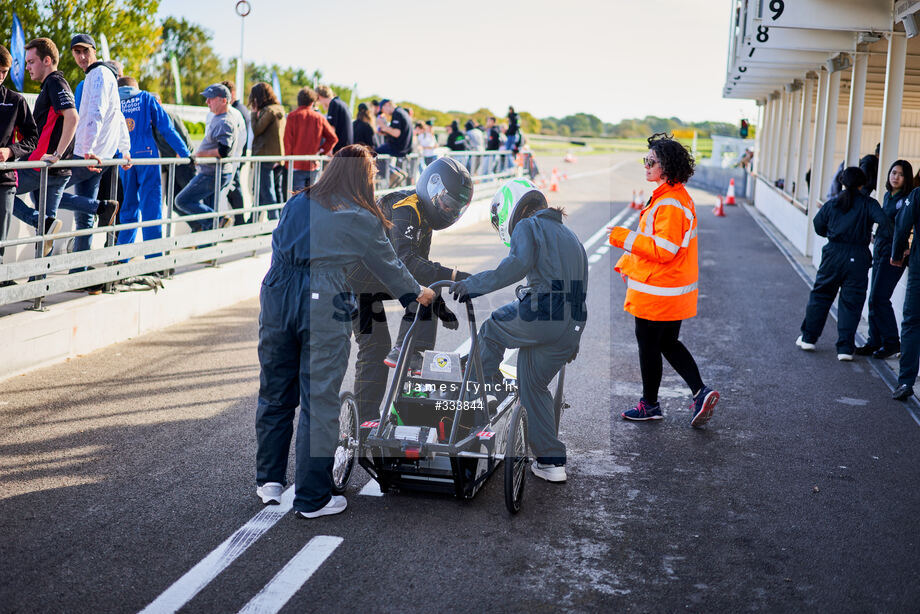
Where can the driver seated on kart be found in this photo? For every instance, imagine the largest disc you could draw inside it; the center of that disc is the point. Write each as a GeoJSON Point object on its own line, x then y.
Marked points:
{"type": "Point", "coordinates": [547, 318]}
{"type": "Point", "coordinates": [442, 194]}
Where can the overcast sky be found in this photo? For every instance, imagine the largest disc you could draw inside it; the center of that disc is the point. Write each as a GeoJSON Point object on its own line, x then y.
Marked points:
{"type": "Point", "coordinates": [616, 59]}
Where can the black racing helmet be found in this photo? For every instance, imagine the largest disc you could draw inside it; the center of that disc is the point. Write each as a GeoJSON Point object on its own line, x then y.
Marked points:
{"type": "Point", "coordinates": [444, 190]}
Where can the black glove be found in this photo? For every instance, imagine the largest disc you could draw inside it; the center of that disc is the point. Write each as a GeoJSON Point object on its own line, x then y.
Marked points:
{"type": "Point", "coordinates": [460, 276]}
{"type": "Point", "coordinates": [460, 292]}
{"type": "Point", "coordinates": [574, 355]}
{"type": "Point", "coordinates": [445, 315]}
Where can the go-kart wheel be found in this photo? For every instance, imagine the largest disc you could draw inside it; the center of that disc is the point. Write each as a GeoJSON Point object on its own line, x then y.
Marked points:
{"type": "Point", "coordinates": [516, 459]}
{"type": "Point", "coordinates": [346, 450]}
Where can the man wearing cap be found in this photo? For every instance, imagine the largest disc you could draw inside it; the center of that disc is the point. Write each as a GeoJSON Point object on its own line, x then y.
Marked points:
{"type": "Point", "coordinates": [101, 132]}
{"type": "Point", "coordinates": [224, 137]}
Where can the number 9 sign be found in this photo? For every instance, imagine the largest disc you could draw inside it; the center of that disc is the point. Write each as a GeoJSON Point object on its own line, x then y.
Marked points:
{"type": "Point", "coordinates": [777, 7]}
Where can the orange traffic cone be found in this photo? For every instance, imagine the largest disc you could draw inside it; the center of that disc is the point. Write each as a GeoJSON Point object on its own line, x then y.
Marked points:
{"type": "Point", "coordinates": [641, 203]}
{"type": "Point", "coordinates": [632, 203]}
{"type": "Point", "coordinates": [570, 158]}
{"type": "Point", "coordinates": [730, 197]}
{"type": "Point", "coordinates": [554, 181]}
{"type": "Point", "coordinates": [719, 210]}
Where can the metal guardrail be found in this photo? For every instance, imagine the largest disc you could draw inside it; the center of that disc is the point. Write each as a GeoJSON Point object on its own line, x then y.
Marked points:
{"type": "Point", "coordinates": [116, 262]}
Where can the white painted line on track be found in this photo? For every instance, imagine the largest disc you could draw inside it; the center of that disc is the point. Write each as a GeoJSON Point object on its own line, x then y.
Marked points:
{"type": "Point", "coordinates": [292, 576]}
{"type": "Point", "coordinates": [185, 588]}
{"type": "Point", "coordinates": [371, 489]}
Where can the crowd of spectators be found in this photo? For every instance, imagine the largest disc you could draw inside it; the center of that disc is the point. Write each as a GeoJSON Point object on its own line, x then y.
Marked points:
{"type": "Point", "coordinates": [108, 116]}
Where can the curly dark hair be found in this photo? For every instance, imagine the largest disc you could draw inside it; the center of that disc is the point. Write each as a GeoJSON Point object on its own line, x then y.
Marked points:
{"type": "Point", "coordinates": [676, 162]}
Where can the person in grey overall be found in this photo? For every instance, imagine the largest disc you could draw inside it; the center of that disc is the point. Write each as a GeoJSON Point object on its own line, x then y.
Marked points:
{"type": "Point", "coordinates": [547, 319]}
{"type": "Point", "coordinates": [305, 324]}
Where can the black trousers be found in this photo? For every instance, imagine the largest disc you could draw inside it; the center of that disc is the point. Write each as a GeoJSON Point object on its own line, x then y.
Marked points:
{"type": "Point", "coordinates": [843, 269]}
{"type": "Point", "coordinates": [657, 339]}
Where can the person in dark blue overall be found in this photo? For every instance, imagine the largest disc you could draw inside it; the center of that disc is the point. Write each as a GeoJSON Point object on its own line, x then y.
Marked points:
{"type": "Point", "coordinates": [547, 319]}
{"type": "Point", "coordinates": [142, 184]}
{"type": "Point", "coordinates": [908, 220]}
{"type": "Point", "coordinates": [846, 221]}
{"type": "Point", "coordinates": [305, 324]}
{"type": "Point", "coordinates": [883, 339]}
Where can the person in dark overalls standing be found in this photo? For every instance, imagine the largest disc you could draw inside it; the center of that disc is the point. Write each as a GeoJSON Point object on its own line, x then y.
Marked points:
{"type": "Point", "coordinates": [547, 319]}
{"type": "Point", "coordinates": [908, 220]}
{"type": "Point", "coordinates": [883, 339]}
{"type": "Point", "coordinates": [305, 324]}
{"type": "Point", "coordinates": [846, 220]}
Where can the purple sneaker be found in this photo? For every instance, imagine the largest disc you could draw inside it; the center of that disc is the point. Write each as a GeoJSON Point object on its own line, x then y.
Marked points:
{"type": "Point", "coordinates": [643, 411]}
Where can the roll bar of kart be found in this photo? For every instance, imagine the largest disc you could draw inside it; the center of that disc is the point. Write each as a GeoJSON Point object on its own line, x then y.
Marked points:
{"type": "Point", "coordinates": [409, 340]}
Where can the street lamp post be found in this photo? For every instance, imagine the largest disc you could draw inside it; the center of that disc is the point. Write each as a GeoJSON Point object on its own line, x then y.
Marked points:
{"type": "Point", "coordinates": [243, 8]}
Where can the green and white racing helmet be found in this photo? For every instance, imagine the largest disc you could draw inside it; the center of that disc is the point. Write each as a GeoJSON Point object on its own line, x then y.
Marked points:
{"type": "Point", "coordinates": [513, 201]}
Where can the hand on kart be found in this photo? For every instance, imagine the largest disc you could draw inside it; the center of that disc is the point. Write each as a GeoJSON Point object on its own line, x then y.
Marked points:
{"type": "Point", "coordinates": [460, 292]}
{"type": "Point", "coordinates": [425, 296]}
{"type": "Point", "coordinates": [445, 315]}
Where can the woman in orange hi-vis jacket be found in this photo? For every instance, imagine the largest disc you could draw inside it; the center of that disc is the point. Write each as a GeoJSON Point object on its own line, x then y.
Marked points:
{"type": "Point", "coordinates": [661, 271]}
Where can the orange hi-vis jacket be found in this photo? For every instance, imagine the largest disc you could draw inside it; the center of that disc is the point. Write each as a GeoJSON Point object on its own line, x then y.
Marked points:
{"type": "Point", "coordinates": [661, 262]}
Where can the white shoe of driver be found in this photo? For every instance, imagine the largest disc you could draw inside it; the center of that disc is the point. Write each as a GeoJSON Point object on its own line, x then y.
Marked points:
{"type": "Point", "coordinates": [336, 505]}
{"type": "Point", "coordinates": [550, 473]}
{"type": "Point", "coordinates": [270, 493]}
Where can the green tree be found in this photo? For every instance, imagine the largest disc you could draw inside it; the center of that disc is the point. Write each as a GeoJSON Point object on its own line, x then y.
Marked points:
{"type": "Point", "coordinates": [129, 25]}
{"type": "Point", "coordinates": [199, 65]}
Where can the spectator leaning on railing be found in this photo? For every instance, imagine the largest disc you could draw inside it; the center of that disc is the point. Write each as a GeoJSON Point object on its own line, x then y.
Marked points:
{"type": "Point", "coordinates": [235, 193]}
{"type": "Point", "coordinates": [307, 133]}
{"type": "Point", "coordinates": [56, 116]}
{"type": "Point", "coordinates": [101, 132]}
{"type": "Point", "coordinates": [18, 137]}
{"type": "Point", "coordinates": [267, 137]}
{"type": "Point", "coordinates": [142, 187]}
{"type": "Point", "coordinates": [222, 139]}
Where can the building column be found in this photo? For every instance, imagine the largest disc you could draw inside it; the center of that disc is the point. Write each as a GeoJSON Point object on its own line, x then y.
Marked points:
{"type": "Point", "coordinates": [763, 138]}
{"type": "Point", "coordinates": [857, 102]}
{"type": "Point", "coordinates": [817, 155]}
{"type": "Point", "coordinates": [777, 153]}
{"type": "Point", "coordinates": [891, 108]}
{"type": "Point", "coordinates": [802, 159]}
{"type": "Point", "coordinates": [829, 164]}
{"type": "Point", "coordinates": [790, 136]}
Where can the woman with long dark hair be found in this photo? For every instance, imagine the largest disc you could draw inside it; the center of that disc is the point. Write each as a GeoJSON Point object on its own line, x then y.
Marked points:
{"type": "Point", "coordinates": [661, 271]}
{"type": "Point", "coordinates": [884, 341]}
{"type": "Point", "coordinates": [267, 138]}
{"type": "Point", "coordinates": [846, 220]}
{"type": "Point", "coordinates": [363, 127]}
{"type": "Point", "coordinates": [305, 324]}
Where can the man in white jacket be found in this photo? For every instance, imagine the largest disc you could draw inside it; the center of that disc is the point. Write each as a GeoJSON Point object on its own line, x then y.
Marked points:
{"type": "Point", "coordinates": [101, 132]}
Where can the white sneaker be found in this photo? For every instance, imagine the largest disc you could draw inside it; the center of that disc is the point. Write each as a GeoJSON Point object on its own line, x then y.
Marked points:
{"type": "Point", "coordinates": [808, 347]}
{"type": "Point", "coordinates": [845, 357]}
{"type": "Point", "coordinates": [550, 473]}
{"type": "Point", "coordinates": [55, 228]}
{"type": "Point", "coordinates": [270, 492]}
{"type": "Point", "coordinates": [336, 505]}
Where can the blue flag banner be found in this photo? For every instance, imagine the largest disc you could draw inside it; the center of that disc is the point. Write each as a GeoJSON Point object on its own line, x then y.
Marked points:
{"type": "Point", "coordinates": [18, 51]}
{"type": "Point", "coordinates": [276, 85]}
